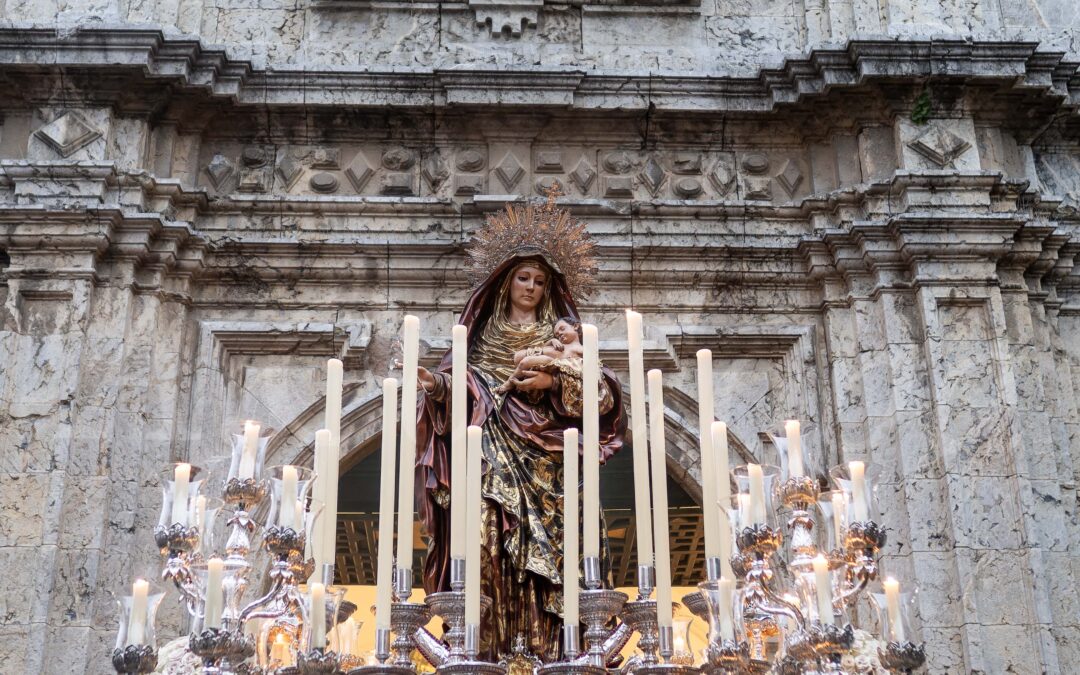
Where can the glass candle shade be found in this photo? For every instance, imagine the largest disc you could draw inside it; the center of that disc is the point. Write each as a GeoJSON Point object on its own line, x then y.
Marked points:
{"type": "Point", "coordinates": [232, 578]}
{"type": "Point", "coordinates": [312, 517]}
{"type": "Point", "coordinates": [683, 649]}
{"type": "Point", "coordinates": [332, 599]}
{"type": "Point", "coordinates": [346, 636]}
{"type": "Point", "coordinates": [204, 516]}
{"type": "Point", "coordinates": [288, 485]}
{"type": "Point", "coordinates": [895, 615]}
{"type": "Point", "coordinates": [171, 512]}
{"type": "Point", "coordinates": [278, 643]}
{"type": "Point", "coordinates": [806, 589]}
{"type": "Point", "coordinates": [141, 601]}
{"type": "Point", "coordinates": [832, 506]}
{"type": "Point", "coordinates": [758, 485]}
{"type": "Point", "coordinates": [723, 611]}
{"type": "Point", "coordinates": [250, 464]}
{"type": "Point", "coordinates": [807, 459]}
{"type": "Point", "coordinates": [859, 491]}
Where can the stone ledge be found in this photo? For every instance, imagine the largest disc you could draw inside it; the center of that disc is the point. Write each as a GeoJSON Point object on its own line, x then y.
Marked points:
{"type": "Point", "coordinates": [185, 60]}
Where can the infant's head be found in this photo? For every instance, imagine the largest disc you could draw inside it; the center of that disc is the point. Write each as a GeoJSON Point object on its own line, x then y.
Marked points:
{"type": "Point", "coordinates": [567, 330]}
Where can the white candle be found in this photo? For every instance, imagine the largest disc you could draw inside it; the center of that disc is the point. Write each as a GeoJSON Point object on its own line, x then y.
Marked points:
{"type": "Point", "coordinates": [757, 494]}
{"type": "Point", "coordinates": [215, 569]}
{"type": "Point", "coordinates": [892, 605]}
{"type": "Point", "coordinates": [571, 586]}
{"type": "Point", "coordinates": [318, 615]}
{"type": "Point", "coordinates": [140, 592]}
{"type": "Point", "coordinates": [838, 508]}
{"type": "Point", "coordinates": [859, 507]}
{"type": "Point", "coordinates": [710, 513]}
{"type": "Point", "coordinates": [458, 399]}
{"type": "Point", "coordinates": [385, 575]}
{"type": "Point", "coordinates": [287, 510]}
{"type": "Point", "coordinates": [824, 590]}
{"type": "Point", "coordinates": [475, 439]}
{"type": "Point", "coordinates": [639, 429]}
{"type": "Point", "coordinates": [727, 624]}
{"type": "Point", "coordinates": [298, 521]}
{"type": "Point", "coordinates": [181, 486]}
{"type": "Point", "coordinates": [590, 431]}
{"type": "Point", "coordinates": [251, 449]}
{"type": "Point", "coordinates": [328, 475]}
{"type": "Point", "coordinates": [794, 449]}
{"type": "Point", "coordinates": [322, 546]}
{"type": "Point", "coordinates": [406, 504]}
{"type": "Point", "coordinates": [660, 500]}
{"type": "Point", "coordinates": [723, 475]}
{"type": "Point", "coordinates": [725, 544]}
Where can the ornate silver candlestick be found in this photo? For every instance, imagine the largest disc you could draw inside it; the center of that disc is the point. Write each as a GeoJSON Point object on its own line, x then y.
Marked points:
{"type": "Point", "coordinates": [382, 654]}
{"type": "Point", "coordinates": [406, 618]}
{"type": "Point", "coordinates": [640, 616]}
{"type": "Point", "coordinates": [902, 657]}
{"type": "Point", "coordinates": [135, 659]}
{"type": "Point", "coordinates": [830, 642]}
{"type": "Point", "coordinates": [598, 605]}
{"type": "Point", "coordinates": [214, 645]}
{"type": "Point", "coordinates": [317, 662]}
{"type": "Point", "coordinates": [571, 664]}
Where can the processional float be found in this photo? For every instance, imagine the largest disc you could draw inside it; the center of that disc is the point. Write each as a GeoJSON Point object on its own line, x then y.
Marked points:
{"type": "Point", "coordinates": [788, 555]}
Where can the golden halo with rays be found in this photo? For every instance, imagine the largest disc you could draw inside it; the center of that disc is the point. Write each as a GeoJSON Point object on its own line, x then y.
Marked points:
{"type": "Point", "coordinates": [537, 229]}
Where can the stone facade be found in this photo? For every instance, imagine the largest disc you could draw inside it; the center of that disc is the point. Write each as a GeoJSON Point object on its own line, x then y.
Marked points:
{"type": "Point", "coordinates": [867, 210]}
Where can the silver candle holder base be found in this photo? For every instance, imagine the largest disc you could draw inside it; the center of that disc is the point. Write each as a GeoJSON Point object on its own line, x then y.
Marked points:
{"type": "Point", "coordinates": [597, 608]}
{"type": "Point", "coordinates": [570, 668]}
{"type": "Point", "coordinates": [640, 615]}
{"type": "Point", "coordinates": [213, 646]}
{"type": "Point", "coordinates": [450, 605]}
{"type": "Point", "coordinates": [135, 659]}
{"type": "Point", "coordinates": [667, 669]}
{"type": "Point", "coordinates": [381, 669]}
{"type": "Point", "coordinates": [471, 667]}
{"type": "Point", "coordinates": [317, 662]}
{"type": "Point", "coordinates": [902, 657]}
{"type": "Point", "coordinates": [406, 618]}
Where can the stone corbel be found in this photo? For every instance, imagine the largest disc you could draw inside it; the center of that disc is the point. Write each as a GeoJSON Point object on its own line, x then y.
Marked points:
{"type": "Point", "coordinates": [501, 16]}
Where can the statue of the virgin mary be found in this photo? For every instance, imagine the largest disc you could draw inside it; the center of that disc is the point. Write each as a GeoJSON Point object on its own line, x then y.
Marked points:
{"type": "Point", "coordinates": [528, 262]}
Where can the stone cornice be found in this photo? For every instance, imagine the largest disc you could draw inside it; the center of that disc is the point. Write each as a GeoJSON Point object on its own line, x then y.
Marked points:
{"type": "Point", "coordinates": [156, 60]}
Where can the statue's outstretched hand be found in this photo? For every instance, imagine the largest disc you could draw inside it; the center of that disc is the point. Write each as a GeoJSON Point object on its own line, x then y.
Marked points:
{"type": "Point", "coordinates": [535, 380]}
{"type": "Point", "coordinates": [424, 379]}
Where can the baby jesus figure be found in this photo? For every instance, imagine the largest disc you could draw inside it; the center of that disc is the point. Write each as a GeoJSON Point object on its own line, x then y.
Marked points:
{"type": "Point", "coordinates": [564, 346]}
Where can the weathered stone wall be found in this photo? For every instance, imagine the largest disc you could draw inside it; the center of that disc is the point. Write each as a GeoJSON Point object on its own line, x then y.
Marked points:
{"type": "Point", "coordinates": [878, 239]}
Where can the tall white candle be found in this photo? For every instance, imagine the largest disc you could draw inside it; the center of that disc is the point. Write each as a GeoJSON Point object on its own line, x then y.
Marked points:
{"type": "Point", "coordinates": [215, 573]}
{"type": "Point", "coordinates": [590, 430]}
{"type": "Point", "coordinates": [199, 516]}
{"type": "Point", "coordinates": [723, 473]}
{"type": "Point", "coordinates": [710, 513]}
{"type": "Point", "coordinates": [838, 508]}
{"type": "Point", "coordinates": [745, 519]}
{"type": "Point", "coordinates": [181, 486]}
{"type": "Point", "coordinates": [794, 449]}
{"type": "Point", "coordinates": [660, 499]}
{"type": "Point", "coordinates": [726, 538]}
{"type": "Point", "coordinates": [458, 394]}
{"type": "Point", "coordinates": [475, 439]}
{"type": "Point", "coordinates": [385, 574]}
{"type": "Point", "coordinates": [318, 615]}
{"type": "Point", "coordinates": [892, 606]}
{"type": "Point", "coordinates": [328, 475]}
{"type": "Point", "coordinates": [571, 585]}
{"type": "Point", "coordinates": [287, 510]}
{"type": "Point", "coordinates": [861, 512]}
{"type": "Point", "coordinates": [406, 503]}
{"type": "Point", "coordinates": [298, 522]}
{"type": "Point", "coordinates": [251, 449]}
{"type": "Point", "coordinates": [136, 632]}
{"type": "Point", "coordinates": [757, 494]}
{"type": "Point", "coordinates": [323, 545]}
{"type": "Point", "coordinates": [824, 590]}
{"type": "Point", "coordinates": [639, 429]}
{"type": "Point", "coordinates": [727, 623]}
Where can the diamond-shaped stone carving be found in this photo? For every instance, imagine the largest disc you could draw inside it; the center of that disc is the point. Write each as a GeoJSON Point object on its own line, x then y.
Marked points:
{"type": "Point", "coordinates": [790, 177]}
{"type": "Point", "coordinates": [583, 175]}
{"type": "Point", "coordinates": [652, 176]}
{"type": "Point", "coordinates": [359, 172]}
{"type": "Point", "coordinates": [435, 171]}
{"type": "Point", "coordinates": [509, 171]}
{"type": "Point", "coordinates": [722, 177]}
{"type": "Point", "coordinates": [289, 168]}
{"type": "Point", "coordinates": [68, 133]}
{"type": "Point", "coordinates": [219, 170]}
{"type": "Point", "coordinates": [939, 145]}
